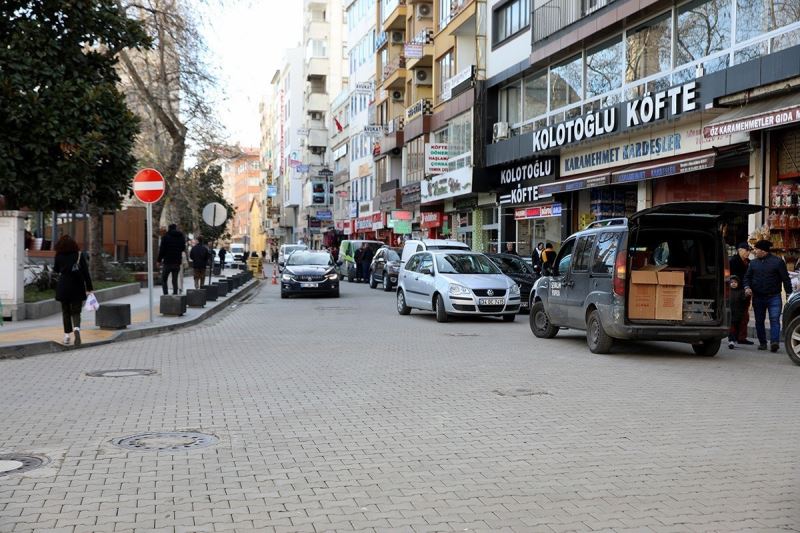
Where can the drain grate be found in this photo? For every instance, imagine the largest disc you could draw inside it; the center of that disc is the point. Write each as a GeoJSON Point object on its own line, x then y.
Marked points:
{"type": "Point", "coordinates": [18, 463]}
{"type": "Point", "coordinates": [121, 373]}
{"type": "Point", "coordinates": [171, 441]}
{"type": "Point", "coordinates": [334, 308]}
{"type": "Point", "coordinates": [516, 392]}
{"type": "Point", "coordinates": [458, 334]}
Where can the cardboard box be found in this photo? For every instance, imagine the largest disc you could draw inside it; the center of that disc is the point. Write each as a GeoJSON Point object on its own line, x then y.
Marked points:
{"type": "Point", "coordinates": [642, 295]}
{"type": "Point", "coordinates": [669, 296]}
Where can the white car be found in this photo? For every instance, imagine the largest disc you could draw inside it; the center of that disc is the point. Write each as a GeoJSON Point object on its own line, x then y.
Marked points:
{"type": "Point", "coordinates": [454, 282]}
{"type": "Point", "coordinates": [228, 258]}
{"type": "Point", "coordinates": [420, 245]}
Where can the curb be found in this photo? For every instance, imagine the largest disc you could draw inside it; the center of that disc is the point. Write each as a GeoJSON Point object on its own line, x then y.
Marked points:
{"type": "Point", "coordinates": [51, 307]}
{"type": "Point", "coordinates": [20, 351]}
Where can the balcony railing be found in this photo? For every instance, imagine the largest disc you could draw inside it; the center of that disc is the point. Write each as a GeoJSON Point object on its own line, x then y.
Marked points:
{"type": "Point", "coordinates": [380, 39]}
{"type": "Point", "coordinates": [557, 14]}
{"type": "Point", "coordinates": [424, 36]}
{"type": "Point", "coordinates": [393, 66]}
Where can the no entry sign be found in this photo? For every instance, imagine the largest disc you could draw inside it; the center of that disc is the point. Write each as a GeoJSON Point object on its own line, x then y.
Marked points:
{"type": "Point", "coordinates": [148, 185]}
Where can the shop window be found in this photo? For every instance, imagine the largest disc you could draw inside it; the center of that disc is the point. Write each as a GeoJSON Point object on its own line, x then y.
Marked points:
{"type": "Point", "coordinates": [509, 103]}
{"type": "Point", "coordinates": [605, 253]}
{"type": "Point", "coordinates": [649, 49]}
{"type": "Point", "coordinates": [786, 40]}
{"type": "Point", "coordinates": [535, 101]}
{"type": "Point", "coordinates": [754, 18]}
{"type": "Point", "coordinates": [603, 72]}
{"type": "Point", "coordinates": [703, 28]}
{"type": "Point", "coordinates": [584, 247]}
{"type": "Point", "coordinates": [566, 83]}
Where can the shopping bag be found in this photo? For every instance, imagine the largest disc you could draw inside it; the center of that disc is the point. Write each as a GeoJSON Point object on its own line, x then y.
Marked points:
{"type": "Point", "coordinates": [91, 303]}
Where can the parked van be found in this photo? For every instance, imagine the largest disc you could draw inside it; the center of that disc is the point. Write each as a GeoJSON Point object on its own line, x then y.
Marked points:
{"type": "Point", "coordinates": [420, 245]}
{"type": "Point", "coordinates": [657, 275]}
{"type": "Point", "coordinates": [347, 251]}
{"type": "Point", "coordinates": [236, 249]}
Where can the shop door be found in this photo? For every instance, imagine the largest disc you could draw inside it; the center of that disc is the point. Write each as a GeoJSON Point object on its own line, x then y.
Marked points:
{"type": "Point", "coordinates": [578, 287]}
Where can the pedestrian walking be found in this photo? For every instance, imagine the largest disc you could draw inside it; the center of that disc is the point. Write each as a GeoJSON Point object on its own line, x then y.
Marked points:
{"type": "Point", "coordinates": [536, 255]}
{"type": "Point", "coordinates": [739, 302]}
{"type": "Point", "coordinates": [170, 255]}
{"type": "Point", "coordinates": [222, 253]}
{"type": "Point", "coordinates": [200, 256]}
{"type": "Point", "coordinates": [74, 285]}
{"type": "Point", "coordinates": [548, 259]}
{"type": "Point", "coordinates": [366, 262]}
{"type": "Point", "coordinates": [274, 255]}
{"type": "Point", "coordinates": [762, 282]}
{"type": "Point", "coordinates": [739, 263]}
{"type": "Point", "coordinates": [357, 260]}
{"type": "Point", "coordinates": [510, 248]}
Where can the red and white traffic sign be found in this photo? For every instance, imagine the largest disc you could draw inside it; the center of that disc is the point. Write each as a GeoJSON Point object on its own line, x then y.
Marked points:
{"type": "Point", "coordinates": [149, 185]}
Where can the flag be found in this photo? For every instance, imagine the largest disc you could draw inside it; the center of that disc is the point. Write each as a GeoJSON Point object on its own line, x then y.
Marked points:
{"type": "Point", "coordinates": [339, 127]}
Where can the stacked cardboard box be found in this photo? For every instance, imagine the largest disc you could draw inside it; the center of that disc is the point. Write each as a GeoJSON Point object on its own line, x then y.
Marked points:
{"type": "Point", "coordinates": [655, 294]}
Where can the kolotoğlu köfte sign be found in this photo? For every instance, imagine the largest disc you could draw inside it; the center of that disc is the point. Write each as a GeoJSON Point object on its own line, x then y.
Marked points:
{"type": "Point", "coordinates": [520, 184]}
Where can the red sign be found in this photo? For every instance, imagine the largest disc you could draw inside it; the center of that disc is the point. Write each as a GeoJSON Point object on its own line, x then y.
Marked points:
{"type": "Point", "coordinates": [402, 215]}
{"type": "Point", "coordinates": [542, 211]}
{"type": "Point", "coordinates": [431, 220]}
{"type": "Point", "coordinates": [148, 185]}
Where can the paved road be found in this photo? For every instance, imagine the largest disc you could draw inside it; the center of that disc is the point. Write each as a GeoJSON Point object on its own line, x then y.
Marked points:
{"type": "Point", "coordinates": [341, 415]}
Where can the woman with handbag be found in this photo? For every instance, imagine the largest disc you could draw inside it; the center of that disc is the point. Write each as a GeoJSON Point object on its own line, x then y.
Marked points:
{"type": "Point", "coordinates": [74, 285]}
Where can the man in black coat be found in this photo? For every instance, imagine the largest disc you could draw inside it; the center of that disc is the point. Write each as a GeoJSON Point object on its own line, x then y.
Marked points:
{"type": "Point", "coordinates": [366, 262]}
{"type": "Point", "coordinates": [200, 256]}
{"type": "Point", "coordinates": [763, 280]}
{"type": "Point", "coordinates": [739, 264]}
{"type": "Point", "coordinates": [170, 255]}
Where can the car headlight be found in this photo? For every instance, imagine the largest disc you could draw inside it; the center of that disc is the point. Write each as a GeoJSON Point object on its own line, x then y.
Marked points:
{"type": "Point", "coordinates": [287, 277]}
{"type": "Point", "coordinates": [331, 276]}
{"type": "Point", "coordinates": [458, 290]}
{"type": "Point", "coordinates": [514, 290]}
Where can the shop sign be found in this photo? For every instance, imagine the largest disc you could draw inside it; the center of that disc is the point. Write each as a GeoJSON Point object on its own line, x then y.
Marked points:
{"type": "Point", "coordinates": [410, 194]}
{"type": "Point", "coordinates": [302, 168]}
{"type": "Point", "coordinates": [641, 147]}
{"type": "Point", "coordinates": [465, 204]}
{"type": "Point", "coordinates": [421, 107]}
{"type": "Point", "coordinates": [272, 191]}
{"type": "Point", "coordinates": [753, 122]}
{"type": "Point", "coordinates": [340, 152]}
{"type": "Point", "coordinates": [412, 51]}
{"type": "Point", "coordinates": [302, 132]}
{"type": "Point", "coordinates": [458, 79]}
{"type": "Point", "coordinates": [431, 220]}
{"type": "Point", "coordinates": [353, 208]}
{"type": "Point", "coordinates": [364, 88]}
{"type": "Point", "coordinates": [325, 173]}
{"type": "Point", "coordinates": [342, 194]}
{"type": "Point", "coordinates": [449, 185]}
{"type": "Point", "coordinates": [645, 110]}
{"type": "Point", "coordinates": [437, 157]}
{"type": "Point", "coordinates": [399, 216]}
{"type": "Point", "coordinates": [388, 199]}
{"type": "Point", "coordinates": [325, 215]}
{"type": "Point", "coordinates": [402, 227]}
{"type": "Point", "coordinates": [377, 221]}
{"type": "Point", "coordinates": [660, 171]}
{"type": "Point", "coordinates": [541, 211]}
{"type": "Point", "coordinates": [364, 223]}
{"type": "Point", "coordinates": [364, 170]}
{"type": "Point", "coordinates": [373, 130]}
{"type": "Point", "coordinates": [519, 184]}
{"type": "Point", "coordinates": [573, 185]}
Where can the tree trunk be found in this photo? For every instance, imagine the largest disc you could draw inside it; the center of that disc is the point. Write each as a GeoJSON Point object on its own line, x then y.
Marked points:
{"type": "Point", "coordinates": [96, 265]}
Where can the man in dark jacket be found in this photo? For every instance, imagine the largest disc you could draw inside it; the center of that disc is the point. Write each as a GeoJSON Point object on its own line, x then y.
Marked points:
{"type": "Point", "coordinates": [739, 264]}
{"type": "Point", "coordinates": [510, 248]}
{"type": "Point", "coordinates": [366, 262]}
{"type": "Point", "coordinates": [357, 260]}
{"type": "Point", "coordinates": [170, 255]}
{"type": "Point", "coordinates": [200, 256]}
{"type": "Point", "coordinates": [222, 253]}
{"type": "Point", "coordinates": [763, 280]}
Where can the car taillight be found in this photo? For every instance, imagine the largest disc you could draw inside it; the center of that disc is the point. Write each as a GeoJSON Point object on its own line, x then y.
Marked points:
{"type": "Point", "coordinates": [620, 273]}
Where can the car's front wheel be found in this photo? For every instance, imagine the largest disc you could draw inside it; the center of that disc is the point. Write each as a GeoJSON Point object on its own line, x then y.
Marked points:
{"type": "Point", "coordinates": [441, 311]}
{"type": "Point", "coordinates": [596, 337]}
{"type": "Point", "coordinates": [402, 308]}
{"type": "Point", "coordinates": [387, 285]}
{"type": "Point", "coordinates": [791, 339]}
{"type": "Point", "coordinates": [707, 348]}
{"type": "Point", "coordinates": [540, 322]}
{"type": "Point", "coordinates": [372, 284]}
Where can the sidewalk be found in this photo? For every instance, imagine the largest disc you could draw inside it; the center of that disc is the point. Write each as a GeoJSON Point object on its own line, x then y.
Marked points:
{"type": "Point", "coordinates": [46, 335]}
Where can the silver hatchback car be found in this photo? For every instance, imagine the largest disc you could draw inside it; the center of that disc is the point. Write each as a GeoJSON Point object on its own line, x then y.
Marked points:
{"type": "Point", "coordinates": [450, 282]}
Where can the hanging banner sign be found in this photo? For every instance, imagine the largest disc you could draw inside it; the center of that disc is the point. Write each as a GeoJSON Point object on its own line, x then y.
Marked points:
{"type": "Point", "coordinates": [364, 88]}
{"type": "Point", "coordinates": [413, 51]}
{"type": "Point", "coordinates": [436, 158]}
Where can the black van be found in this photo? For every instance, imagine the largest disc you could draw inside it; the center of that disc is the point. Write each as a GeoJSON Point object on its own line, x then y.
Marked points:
{"type": "Point", "coordinates": [589, 289]}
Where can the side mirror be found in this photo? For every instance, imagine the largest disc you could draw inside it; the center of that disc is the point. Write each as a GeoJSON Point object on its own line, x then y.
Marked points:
{"type": "Point", "coordinates": [426, 271]}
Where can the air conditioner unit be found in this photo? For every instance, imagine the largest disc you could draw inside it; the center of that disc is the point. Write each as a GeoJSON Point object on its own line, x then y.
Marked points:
{"type": "Point", "coordinates": [397, 96]}
{"type": "Point", "coordinates": [500, 131]}
{"type": "Point", "coordinates": [398, 37]}
{"type": "Point", "coordinates": [423, 76]}
{"type": "Point", "coordinates": [316, 115]}
{"type": "Point", "coordinates": [424, 11]}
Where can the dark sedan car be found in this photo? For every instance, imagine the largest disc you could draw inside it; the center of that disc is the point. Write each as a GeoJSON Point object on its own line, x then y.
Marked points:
{"type": "Point", "coordinates": [520, 271]}
{"type": "Point", "coordinates": [791, 327]}
{"type": "Point", "coordinates": [310, 272]}
{"type": "Point", "coordinates": [385, 268]}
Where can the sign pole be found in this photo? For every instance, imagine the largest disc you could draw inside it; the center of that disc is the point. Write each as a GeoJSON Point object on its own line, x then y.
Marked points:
{"type": "Point", "coordinates": [150, 260]}
{"type": "Point", "coordinates": [221, 266]}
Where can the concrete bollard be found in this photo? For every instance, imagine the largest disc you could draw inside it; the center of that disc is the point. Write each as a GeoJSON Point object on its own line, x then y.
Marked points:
{"type": "Point", "coordinates": [222, 287]}
{"type": "Point", "coordinates": [113, 316]}
{"type": "Point", "coordinates": [173, 304]}
{"type": "Point", "coordinates": [212, 293]}
{"type": "Point", "coordinates": [196, 297]}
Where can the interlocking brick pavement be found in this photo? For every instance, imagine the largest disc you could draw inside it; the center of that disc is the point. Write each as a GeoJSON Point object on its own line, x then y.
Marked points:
{"type": "Point", "coordinates": [360, 419]}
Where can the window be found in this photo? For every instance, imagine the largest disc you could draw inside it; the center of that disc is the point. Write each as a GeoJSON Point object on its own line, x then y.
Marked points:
{"type": "Point", "coordinates": [426, 262]}
{"type": "Point", "coordinates": [447, 69]}
{"type": "Point", "coordinates": [566, 83]}
{"type": "Point", "coordinates": [605, 254]}
{"type": "Point", "coordinates": [510, 19]}
{"type": "Point", "coordinates": [585, 244]}
{"type": "Point", "coordinates": [444, 12]}
{"type": "Point", "coordinates": [415, 160]}
{"type": "Point", "coordinates": [649, 49]}
{"type": "Point", "coordinates": [459, 140]}
{"type": "Point", "coordinates": [535, 95]}
{"type": "Point", "coordinates": [510, 103]}
{"type": "Point", "coordinates": [564, 257]}
{"type": "Point", "coordinates": [754, 17]}
{"type": "Point", "coordinates": [412, 263]}
{"type": "Point", "coordinates": [603, 72]}
{"type": "Point", "coordinates": [704, 27]}
{"type": "Point", "coordinates": [316, 48]}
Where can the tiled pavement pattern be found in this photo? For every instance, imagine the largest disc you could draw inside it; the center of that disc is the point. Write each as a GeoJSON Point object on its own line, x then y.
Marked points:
{"type": "Point", "coordinates": [360, 419]}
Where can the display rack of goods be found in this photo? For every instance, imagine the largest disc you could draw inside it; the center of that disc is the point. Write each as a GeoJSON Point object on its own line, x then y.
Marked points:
{"type": "Point", "coordinates": [783, 222]}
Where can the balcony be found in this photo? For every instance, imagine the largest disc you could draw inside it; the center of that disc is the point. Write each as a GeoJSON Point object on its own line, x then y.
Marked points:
{"type": "Point", "coordinates": [316, 67]}
{"type": "Point", "coordinates": [316, 102]}
{"type": "Point", "coordinates": [423, 42]}
{"type": "Point", "coordinates": [554, 15]}
{"type": "Point", "coordinates": [392, 139]}
{"type": "Point", "coordinates": [317, 29]}
{"type": "Point", "coordinates": [396, 19]}
{"type": "Point", "coordinates": [394, 73]}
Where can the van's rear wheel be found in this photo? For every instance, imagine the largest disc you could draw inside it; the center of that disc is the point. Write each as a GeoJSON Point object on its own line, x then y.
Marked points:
{"type": "Point", "coordinates": [540, 322]}
{"type": "Point", "coordinates": [596, 337]}
{"type": "Point", "coordinates": [708, 348]}
{"type": "Point", "coordinates": [791, 340]}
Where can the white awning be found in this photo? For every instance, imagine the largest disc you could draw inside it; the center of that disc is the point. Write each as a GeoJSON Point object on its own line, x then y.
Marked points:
{"type": "Point", "coordinates": [756, 116]}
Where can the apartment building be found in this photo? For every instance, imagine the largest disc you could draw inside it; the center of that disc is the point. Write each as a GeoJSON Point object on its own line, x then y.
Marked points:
{"type": "Point", "coordinates": [620, 105]}
{"type": "Point", "coordinates": [339, 141]}
{"type": "Point", "coordinates": [241, 176]}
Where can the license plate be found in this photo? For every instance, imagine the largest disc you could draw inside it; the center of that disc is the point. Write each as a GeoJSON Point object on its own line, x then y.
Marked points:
{"type": "Point", "coordinates": [523, 304]}
{"type": "Point", "coordinates": [491, 301]}
{"type": "Point", "coordinates": [309, 285]}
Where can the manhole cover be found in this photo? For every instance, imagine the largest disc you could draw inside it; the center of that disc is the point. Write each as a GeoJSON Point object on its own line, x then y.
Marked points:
{"type": "Point", "coordinates": [121, 373]}
{"type": "Point", "coordinates": [16, 464]}
{"type": "Point", "coordinates": [334, 308]}
{"type": "Point", "coordinates": [173, 441]}
{"type": "Point", "coordinates": [516, 392]}
{"type": "Point", "coordinates": [457, 334]}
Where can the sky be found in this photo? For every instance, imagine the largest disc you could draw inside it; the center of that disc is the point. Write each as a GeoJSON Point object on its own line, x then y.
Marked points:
{"type": "Point", "coordinates": [246, 41]}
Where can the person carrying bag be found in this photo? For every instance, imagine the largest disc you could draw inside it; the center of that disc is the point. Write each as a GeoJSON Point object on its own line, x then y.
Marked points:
{"type": "Point", "coordinates": [74, 285]}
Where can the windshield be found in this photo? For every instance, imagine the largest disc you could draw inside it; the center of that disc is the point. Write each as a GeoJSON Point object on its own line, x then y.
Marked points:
{"type": "Point", "coordinates": [513, 265]}
{"type": "Point", "coordinates": [392, 255]}
{"type": "Point", "coordinates": [466, 264]}
{"type": "Point", "coordinates": [290, 249]}
{"type": "Point", "coordinates": [310, 258]}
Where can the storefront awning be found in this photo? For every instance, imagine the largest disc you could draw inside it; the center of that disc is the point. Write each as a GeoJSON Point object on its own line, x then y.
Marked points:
{"type": "Point", "coordinates": [756, 116]}
{"type": "Point", "coordinates": [666, 167]}
{"type": "Point", "coordinates": [595, 180]}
